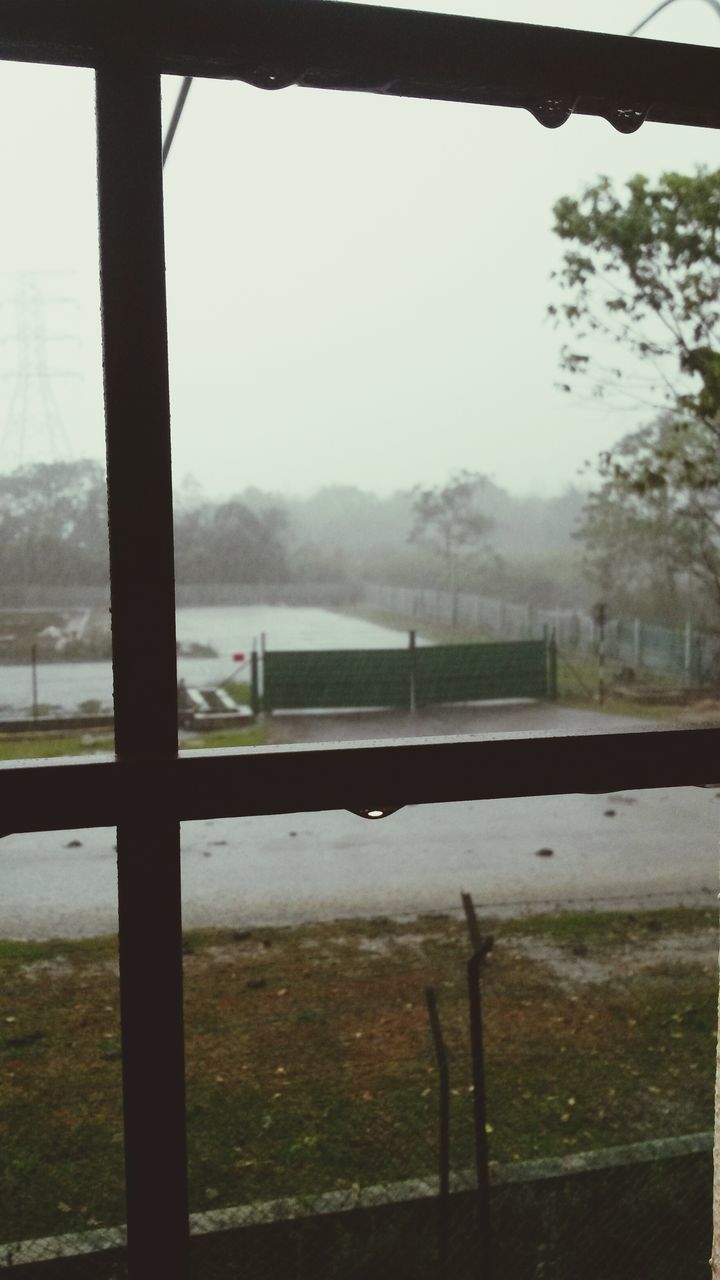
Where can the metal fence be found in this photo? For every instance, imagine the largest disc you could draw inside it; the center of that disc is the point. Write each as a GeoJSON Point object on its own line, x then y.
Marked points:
{"type": "Point", "coordinates": [409, 678]}
{"type": "Point", "coordinates": [687, 652]}
{"type": "Point", "coordinates": [637, 1212]}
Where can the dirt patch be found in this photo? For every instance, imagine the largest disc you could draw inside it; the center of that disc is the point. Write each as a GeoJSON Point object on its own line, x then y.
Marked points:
{"type": "Point", "coordinates": [380, 946]}
{"type": "Point", "coordinates": [56, 967]}
{"type": "Point", "coordinates": [700, 713]}
{"type": "Point", "coordinates": [574, 967]}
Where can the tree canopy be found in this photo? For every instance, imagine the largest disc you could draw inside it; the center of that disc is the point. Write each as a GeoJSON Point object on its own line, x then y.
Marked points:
{"type": "Point", "coordinates": [53, 529]}
{"type": "Point", "coordinates": [642, 274]}
{"type": "Point", "coordinates": [53, 523]}
{"type": "Point", "coordinates": [642, 271]}
{"type": "Point", "coordinates": [449, 518]}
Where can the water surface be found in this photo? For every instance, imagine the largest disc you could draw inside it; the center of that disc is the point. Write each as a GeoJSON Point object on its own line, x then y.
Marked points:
{"type": "Point", "coordinates": [228, 629]}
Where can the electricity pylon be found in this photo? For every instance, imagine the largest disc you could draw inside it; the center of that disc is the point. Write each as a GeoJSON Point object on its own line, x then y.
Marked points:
{"type": "Point", "coordinates": [33, 429]}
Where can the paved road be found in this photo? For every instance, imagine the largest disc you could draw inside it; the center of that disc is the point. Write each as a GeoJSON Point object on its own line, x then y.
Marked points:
{"type": "Point", "coordinates": [311, 866]}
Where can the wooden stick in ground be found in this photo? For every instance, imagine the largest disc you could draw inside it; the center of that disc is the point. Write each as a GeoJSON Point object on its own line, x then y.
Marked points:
{"type": "Point", "coordinates": [480, 1117]}
{"type": "Point", "coordinates": [480, 945]}
{"type": "Point", "coordinates": [444, 1129]}
{"type": "Point", "coordinates": [715, 1256]}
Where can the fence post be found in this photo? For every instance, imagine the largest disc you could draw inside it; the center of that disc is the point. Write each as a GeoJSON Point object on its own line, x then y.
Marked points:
{"type": "Point", "coordinates": [700, 675]}
{"type": "Point", "coordinates": [480, 1117]}
{"type": "Point", "coordinates": [444, 1130]}
{"type": "Point", "coordinates": [33, 664]}
{"type": "Point", "coordinates": [688, 655]}
{"type": "Point", "coordinates": [412, 651]}
{"type": "Point", "coordinates": [600, 620]}
{"type": "Point", "coordinates": [261, 672]}
{"type": "Point", "coordinates": [254, 687]}
{"type": "Point", "coordinates": [552, 665]}
{"type": "Point", "coordinates": [637, 644]}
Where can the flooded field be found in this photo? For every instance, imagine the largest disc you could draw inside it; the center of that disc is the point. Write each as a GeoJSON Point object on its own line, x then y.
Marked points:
{"type": "Point", "coordinates": [227, 629]}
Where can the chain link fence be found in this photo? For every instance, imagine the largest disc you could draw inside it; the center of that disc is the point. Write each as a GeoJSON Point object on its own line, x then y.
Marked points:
{"type": "Point", "coordinates": [686, 652]}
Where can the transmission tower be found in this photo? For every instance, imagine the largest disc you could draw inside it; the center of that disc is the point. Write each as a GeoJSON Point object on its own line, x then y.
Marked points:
{"type": "Point", "coordinates": [33, 428]}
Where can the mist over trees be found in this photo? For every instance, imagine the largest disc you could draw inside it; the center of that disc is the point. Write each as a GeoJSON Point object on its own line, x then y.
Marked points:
{"type": "Point", "coordinates": [229, 542]}
{"type": "Point", "coordinates": [53, 524]}
{"type": "Point", "coordinates": [640, 292]}
{"type": "Point", "coordinates": [53, 531]}
{"type": "Point", "coordinates": [450, 520]}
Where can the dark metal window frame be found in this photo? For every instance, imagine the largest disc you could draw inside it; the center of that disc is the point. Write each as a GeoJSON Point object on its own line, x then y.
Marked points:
{"type": "Point", "coordinates": [146, 789]}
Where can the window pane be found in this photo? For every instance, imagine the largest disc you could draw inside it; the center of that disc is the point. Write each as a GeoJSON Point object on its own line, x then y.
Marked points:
{"type": "Point", "coordinates": [54, 595]}
{"type": "Point", "coordinates": [373, 427]}
{"type": "Point", "coordinates": [313, 1083]}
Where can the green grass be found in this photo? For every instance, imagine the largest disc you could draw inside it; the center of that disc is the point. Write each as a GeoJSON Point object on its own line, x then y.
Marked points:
{"type": "Point", "coordinates": [612, 928]}
{"type": "Point", "coordinates": [239, 690]}
{"type": "Point", "coordinates": [32, 746]}
{"type": "Point", "coordinates": [47, 746]}
{"type": "Point", "coordinates": [578, 686]}
{"type": "Point", "coordinates": [255, 736]}
{"type": "Point", "coordinates": [310, 1065]}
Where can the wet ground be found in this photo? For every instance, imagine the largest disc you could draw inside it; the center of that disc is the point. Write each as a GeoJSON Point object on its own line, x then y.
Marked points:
{"type": "Point", "coordinates": [509, 716]}
{"type": "Point", "coordinates": [649, 848]}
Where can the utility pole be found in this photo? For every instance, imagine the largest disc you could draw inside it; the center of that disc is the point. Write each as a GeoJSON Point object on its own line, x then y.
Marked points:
{"type": "Point", "coordinates": [33, 429]}
{"type": "Point", "coordinates": [33, 663]}
{"type": "Point", "coordinates": [600, 620]}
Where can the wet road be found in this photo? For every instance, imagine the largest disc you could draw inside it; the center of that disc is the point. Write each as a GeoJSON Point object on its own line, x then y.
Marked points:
{"type": "Point", "coordinates": [651, 846]}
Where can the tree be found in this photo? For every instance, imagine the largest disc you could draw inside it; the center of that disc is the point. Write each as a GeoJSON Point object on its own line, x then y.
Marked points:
{"type": "Point", "coordinates": [643, 273]}
{"type": "Point", "coordinates": [645, 543]}
{"type": "Point", "coordinates": [227, 542]}
{"type": "Point", "coordinates": [448, 520]}
{"type": "Point", "coordinates": [53, 523]}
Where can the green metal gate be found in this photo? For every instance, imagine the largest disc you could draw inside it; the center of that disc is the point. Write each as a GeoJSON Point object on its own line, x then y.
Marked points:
{"type": "Point", "coordinates": [406, 678]}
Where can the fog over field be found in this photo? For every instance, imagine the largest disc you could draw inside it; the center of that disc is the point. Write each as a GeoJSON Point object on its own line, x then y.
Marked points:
{"type": "Point", "coordinates": [357, 285]}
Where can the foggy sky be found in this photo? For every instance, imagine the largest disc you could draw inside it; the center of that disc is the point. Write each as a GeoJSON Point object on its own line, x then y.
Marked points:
{"type": "Point", "coordinates": [357, 285]}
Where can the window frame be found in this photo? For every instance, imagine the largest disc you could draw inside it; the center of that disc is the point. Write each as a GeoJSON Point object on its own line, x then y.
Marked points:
{"type": "Point", "coordinates": [146, 789]}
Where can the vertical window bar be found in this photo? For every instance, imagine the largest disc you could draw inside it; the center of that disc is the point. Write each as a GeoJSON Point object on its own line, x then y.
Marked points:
{"type": "Point", "coordinates": [132, 265]}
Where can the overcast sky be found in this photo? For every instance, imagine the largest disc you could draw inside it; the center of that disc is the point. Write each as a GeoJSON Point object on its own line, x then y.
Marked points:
{"type": "Point", "coordinates": [357, 285]}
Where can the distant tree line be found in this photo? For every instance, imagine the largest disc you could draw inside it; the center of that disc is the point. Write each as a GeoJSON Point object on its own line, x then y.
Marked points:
{"type": "Point", "coordinates": [53, 529]}
{"type": "Point", "coordinates": [466, 534]}
{"type": "Point", "coordinates": [53, 524]}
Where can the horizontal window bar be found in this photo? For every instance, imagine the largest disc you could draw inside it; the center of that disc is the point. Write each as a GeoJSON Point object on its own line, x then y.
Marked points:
{"type": "Point", "coordinates": [49, 795]}
{"type": "Point", "coordinates": [331, 45]}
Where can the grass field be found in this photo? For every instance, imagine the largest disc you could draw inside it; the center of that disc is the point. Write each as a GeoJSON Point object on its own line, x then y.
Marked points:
{"type": "Point", "coordinates": [310, 1064]}
{"type": "Point", "coordinates": [47, 746]}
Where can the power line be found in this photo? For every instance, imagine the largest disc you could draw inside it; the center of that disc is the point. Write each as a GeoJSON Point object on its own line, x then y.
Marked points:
{"type": "Point", "coordinates": [187, 82]}
{"type": "Point", "coordinates": [175, 118]}
{"type": "Point", "coordinates": [714, 5]}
